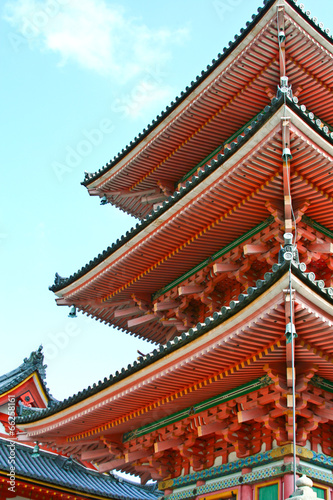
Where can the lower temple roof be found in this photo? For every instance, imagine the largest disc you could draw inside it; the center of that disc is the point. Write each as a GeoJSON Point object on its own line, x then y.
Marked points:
{"type": "Point", "coordinates": [241, 342]}
{"type": "Point", "coordinates": [59, 471]}
{"type": "Point", "coordinates": [180, 341]}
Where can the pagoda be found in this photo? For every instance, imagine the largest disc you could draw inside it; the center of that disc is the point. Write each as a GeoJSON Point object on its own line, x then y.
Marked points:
{"type": "Point", "coordinates": [228, 273]}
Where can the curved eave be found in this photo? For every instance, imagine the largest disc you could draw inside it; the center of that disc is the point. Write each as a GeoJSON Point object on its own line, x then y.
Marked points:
{"type": "Point", "coordinates": [211, 347]}
{"type": "Point", "coordinates": [48, 472]}
{"type": "Point", "coordinates": [126, 173]}
{"type": "Point", "coordinates": [157, 218]}
{"type": "Point", "coordinates": [182, 203]}
{"type": "Point", "coordinates": [176, 107]}
{"type": "Point", "coordinates": [159, 362]}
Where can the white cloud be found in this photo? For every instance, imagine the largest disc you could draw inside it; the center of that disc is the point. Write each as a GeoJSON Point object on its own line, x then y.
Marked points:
{"type": "Point", "coordinates": [142, 96]}
{"type": "Point", "coordinates": [94, 34]}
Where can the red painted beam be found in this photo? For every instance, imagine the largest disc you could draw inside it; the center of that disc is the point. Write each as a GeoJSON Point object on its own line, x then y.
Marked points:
{"type": "Point", "coordinates": [129, 311]}
{"type": "Point", "coordinates": [165, 305]}
{"type": "Point", "coordinates": [167, 445]}
{"type": "Point", "coordinates": [107, 466]}
{"type": "Point", "coordinates": [254, 249]}
{"type": "Point", "coordinates": [93, 454]}
{"type": "Point", "coordinates": [141, 320]}
{"type": "Point", "coordinates": [136, 455]}
{"type": "Point", "coordinates": [224, 268]}
{"type": "Point", "coordinates": [246, 415]}
{"type": "Point", "coordinates": [204, 430]}
{"type": "Point", "coordinates": [326, 247]}
{"type": "Point", "coordinates": [127, 459]}
{"type": "Point", "coordinates": [189, 290]}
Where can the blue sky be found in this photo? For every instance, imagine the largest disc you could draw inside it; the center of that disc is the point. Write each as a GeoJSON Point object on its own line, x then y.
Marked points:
{"type": "Point", "coordinates": [80, 79]}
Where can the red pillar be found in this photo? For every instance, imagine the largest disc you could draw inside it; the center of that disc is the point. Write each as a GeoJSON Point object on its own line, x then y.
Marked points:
{"type": "Point", "coordinates": [288, 481]}
{"type": "Point", "coordinates": [246, 492]}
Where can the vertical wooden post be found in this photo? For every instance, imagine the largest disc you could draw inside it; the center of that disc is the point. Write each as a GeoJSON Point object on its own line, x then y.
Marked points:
{"type": "Point", "coordinates": [246, 492]}
{"type": "Point", "coordinates": [282, 45]}
{"type": "Point", "coordinates": [288, 483]}
{"type": "Point", "coordinates": [286, 176]}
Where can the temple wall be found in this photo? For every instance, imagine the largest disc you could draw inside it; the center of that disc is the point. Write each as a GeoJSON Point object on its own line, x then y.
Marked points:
{"type": "Point", "coordinates": [273, 480]}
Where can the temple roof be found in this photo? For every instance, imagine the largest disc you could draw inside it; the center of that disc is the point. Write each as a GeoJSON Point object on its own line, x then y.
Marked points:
{"type": "Point", "coordinates": [52, 469]}
{"type": "Point", "coordinates": [179, 342]}
{"type": "Point", "coordinates": [219, 204]}
{"type": "Point", "coordinates": [61, 283]}
{"type": "Point", "coordinates": [172, 141]}
{"type": "Point", "coordinates": [34, 363]}
{"type": "Point", "coordinates": [117, 421]}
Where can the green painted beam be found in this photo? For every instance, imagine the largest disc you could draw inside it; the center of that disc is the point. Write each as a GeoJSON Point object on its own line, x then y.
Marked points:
{"type": "Point", "coordinates": [219, 148]}
{"type": "Point", "coordinates": [214, 257]}
{"type": "Point", "coordinates": [317, 226]}
{"type": "Point", "coordinates": [204, 405]}
{"type": "Point", "coordinates": [322, 383]}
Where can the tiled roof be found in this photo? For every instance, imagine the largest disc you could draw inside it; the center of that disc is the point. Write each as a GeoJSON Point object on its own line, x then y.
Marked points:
{"type": "Point", "coordinates": [34, 363]}
{"type": "Point", "coordinates": [51, 468]}
{"type": "Point", "coordinates": [306, 14]}
{"type": "Point", "coordinates": [196, 179]}
{"type": "Point", "coordinates": [210, 322]}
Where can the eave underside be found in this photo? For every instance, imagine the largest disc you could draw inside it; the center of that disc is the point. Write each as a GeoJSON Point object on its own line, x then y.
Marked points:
{"type": "Point", "coordinates": [235, 96]}
{"type": "Point", "coordinates": [243, 193]}
{"type": "Point", "coordinates": [248, 346]}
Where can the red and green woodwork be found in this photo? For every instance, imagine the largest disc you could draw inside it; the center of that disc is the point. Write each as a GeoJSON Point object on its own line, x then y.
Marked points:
{"type": "Point", "coordinates": [215, 397]}
{"type": "Point", "coordinates": [209, 412]}
{"type": "Point", "coordinates": [230, 93]}
{"type": "Point", "coordinates": [220, 237]}
{"type": "Point", "coordinates": [25, 387]}
{"type": "Point", "coordinates": [30, 392]}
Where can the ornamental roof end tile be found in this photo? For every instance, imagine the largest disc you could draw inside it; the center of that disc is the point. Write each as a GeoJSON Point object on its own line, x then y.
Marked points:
{"type": "Point", "coordinates": [31, 364]}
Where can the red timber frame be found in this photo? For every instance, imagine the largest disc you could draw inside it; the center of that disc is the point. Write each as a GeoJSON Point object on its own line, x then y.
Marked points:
{"type": "Point", "coordinates": [250, 345]}
{"type": "Point", "coordinates": [133, 292]}
{"type": "Point", "coordinates": [237, 87]}
{"type": "Point", "coordinates": [30, 392]}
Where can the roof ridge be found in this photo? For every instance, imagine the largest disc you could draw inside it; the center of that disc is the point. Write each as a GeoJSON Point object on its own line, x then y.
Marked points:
{"type": "Point", "coordinates": [306, 14]}
{"type": "Point", "coordinates": [34, 362]}
{"type": "Point", "coordinates": [269, 278]}
{"type": "Point", "coordinates": [89, 177]}
{"type": "Point", "coordinates": [71, 476]}
{"type": "Point", "coordinates": [261, 118]}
